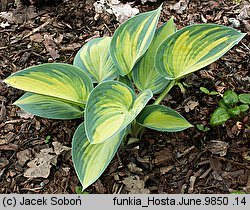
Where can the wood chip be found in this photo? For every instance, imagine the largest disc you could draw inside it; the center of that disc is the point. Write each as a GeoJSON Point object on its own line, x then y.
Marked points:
{"type": "Point", "coordinates": [99, 187]}
{"type": "Point", "coordinates": [166, 169]}
{"type": "Point", "coordinates": [163, 156]}
{"type": "Point", "coordinates": [218, 147]}
{"type": "Point", "coordinates": [191, 184]}
{"type": "Point", "coordinates": [2, 111]}
{"type": "Point", "coordinates": [188, 150]}
{"type": "Point", "coordinates": [217, 176]}
{"type": "Point", "coordinates": [12, 147]}
{"type": "Point", "coordinates": [134, 169]}
{"type": "Point", "coordinates": [3, 162]}
{"type": "Point", "coordinates": [247, 188]}
{"type": "Point", "coordinates": [204, 175]}
{"type": "Point", "coordinates": [215, 165]}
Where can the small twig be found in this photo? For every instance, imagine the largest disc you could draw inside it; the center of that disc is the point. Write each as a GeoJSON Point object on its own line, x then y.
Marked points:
{"type": "Point", "coordinates": [191, 185]}
{"type": "Point", "coordinates": [38, 28]}
{"type": "Point", "coordinates": [2, 172]}
{"type": "Point", "coordinates": [37, 189]}
{"type": "Point", "coordinates": [204, 175]}
{"type": "Point", "coordinates": [2, 48]}
{"type": "Point", "coordinates": [119, 160]}
{"type": "Point", "coordinates": [245, 46]}
{"type": "Point", "coordinates": [185, 152]}
{"type": "Point", "coordinates": [120, 189]}
{"type": "Point", "coordinates": [34, 31]}
{"type": "Point", "coordinates": [234, 162]}
{"type": "Point", "coordinates": [15, 121]}
{"type": "Point", "coordinates": [108, 28]}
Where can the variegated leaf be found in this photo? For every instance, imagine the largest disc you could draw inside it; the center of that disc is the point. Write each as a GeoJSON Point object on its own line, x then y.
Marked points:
{"type": "Point", "coordinates": [162, 118]}
{"type": "Point", "coordinates": [90, 160]}
{"type": "Point", "coordinates": [111, 107]}
{"type": "Point", "coordinates": [193, 48]}
{"type": "Point", "coordinates": [127, 81]}
{"type": "Point", "coordinates": [48, 106]}
{"type": "Point", "coordinates": [132, 39]}
{"type": "Point", "coordinates": [59, 80]}
{"type": "Point", "coordinates": [95, 60]}
{"type": "Point", "coordinates": [144, 73]}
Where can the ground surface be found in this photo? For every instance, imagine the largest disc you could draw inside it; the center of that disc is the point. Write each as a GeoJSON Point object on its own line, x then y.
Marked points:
{"type": "Point", "coordinates": [192, 161]}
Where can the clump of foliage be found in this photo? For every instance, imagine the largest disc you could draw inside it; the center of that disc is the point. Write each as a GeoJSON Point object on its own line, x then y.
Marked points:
{"type": "Point", "coordinates": [230, 105]}
{"type": "Point", "coordinates": [99, 86]}
{"type": "Point", "coordinates": [206, 91]}
{"type": "Point", "coordinates": [202, 128]}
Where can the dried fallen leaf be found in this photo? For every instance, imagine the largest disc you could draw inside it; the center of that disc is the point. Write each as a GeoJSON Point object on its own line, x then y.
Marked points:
{"type": "Point", "coordinates": [51, 46]}
{"type": "Point", "coordinates": [144, 1]}
{"type": "Point", "coordinates": [191, 105]}
{"type": "Point", "coordinates": [23, 156]}
{"type": "Point", "coordinates": [37, 37]}
{"type": "Point", "coordinates": [134, 185]}
{"type": "Point", "coordinates": [38, 170]}
{"type": "Point", "coordinates": [244, 11]}
{"type": "Point", "coordinates": [71, 47]}
{"type": "Point", "coordinates": [120, 10]}
{"type": "Point", "coordinates": [134, 169]}
{"type": "Point", "coordinates": [180, 6]}
{"type": "Point", "coordinates": [124, 11]}
{"type": "Point", "coordinates": [59, 148]}
{"type": "Point", "coordinates": [24, 115]}
{"type": "Point", "coordinates": [40, 166]}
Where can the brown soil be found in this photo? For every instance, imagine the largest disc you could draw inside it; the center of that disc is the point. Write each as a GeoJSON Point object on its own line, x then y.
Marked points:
{"type": "Point", "coordinates": [192, 161]}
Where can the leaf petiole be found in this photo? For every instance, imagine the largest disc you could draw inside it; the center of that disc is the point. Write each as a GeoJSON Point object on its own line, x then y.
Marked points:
{"type": "Point", "coordinates": [165, 92]}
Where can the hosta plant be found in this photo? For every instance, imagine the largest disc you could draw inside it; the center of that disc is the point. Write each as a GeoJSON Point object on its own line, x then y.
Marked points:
{"type": "Point", "coordinates": [112, 82]}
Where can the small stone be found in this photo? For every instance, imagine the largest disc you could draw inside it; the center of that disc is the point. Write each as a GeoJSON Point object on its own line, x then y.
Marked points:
{"type": "Point", "coordinates": [50, 60]}
{"type": "Point", "coordinates": [234, 22]}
